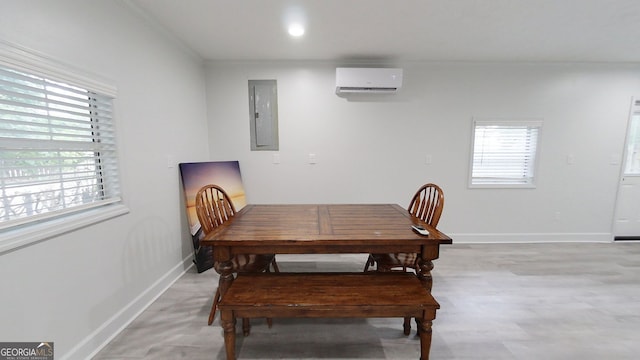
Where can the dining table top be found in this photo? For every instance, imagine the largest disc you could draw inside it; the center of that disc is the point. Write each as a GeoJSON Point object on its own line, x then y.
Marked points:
{"type": "Point", "coordinates": [322, 224]}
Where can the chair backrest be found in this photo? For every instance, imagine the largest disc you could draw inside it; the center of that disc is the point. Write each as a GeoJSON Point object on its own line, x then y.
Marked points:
{"type": "Point", "coordinates": [427, 204]}
{"type": "Point", "coordinates": [213, 207]}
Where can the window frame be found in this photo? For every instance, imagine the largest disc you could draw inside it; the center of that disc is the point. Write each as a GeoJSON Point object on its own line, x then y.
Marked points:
{"type": "Point", "coordinates": [504, 181]}
{"type": "Point", "coordinates": [26, 232]}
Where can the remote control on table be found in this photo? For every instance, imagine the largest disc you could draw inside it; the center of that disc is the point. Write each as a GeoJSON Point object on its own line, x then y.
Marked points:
{"type": "Point", "coordinates": [420, 230]}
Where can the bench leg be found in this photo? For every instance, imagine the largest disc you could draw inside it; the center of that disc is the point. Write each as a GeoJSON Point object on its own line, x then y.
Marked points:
{"type": "Point", "coordinates": [424, 329]}
{"type": "Point", "coordinates": [228, 322]}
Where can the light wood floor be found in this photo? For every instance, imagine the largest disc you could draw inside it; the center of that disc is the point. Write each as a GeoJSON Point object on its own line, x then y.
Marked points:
{"type": "Point", "coordinates": [498, 301]}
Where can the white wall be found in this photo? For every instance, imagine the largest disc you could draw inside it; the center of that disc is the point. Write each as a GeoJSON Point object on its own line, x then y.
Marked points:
{"type": "Point", "coordinates": [373, 148]}
{"type": "Point", "coordinates": [80, 288]}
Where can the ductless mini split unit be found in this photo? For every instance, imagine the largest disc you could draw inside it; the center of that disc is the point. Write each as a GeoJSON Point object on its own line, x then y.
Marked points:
{"type": "Point", "coordinates": [368, 80]}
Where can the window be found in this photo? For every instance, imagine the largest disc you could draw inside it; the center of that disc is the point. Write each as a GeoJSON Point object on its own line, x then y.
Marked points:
{"type": "Point", "coordinates": [57, 144]}
{"type": "Point", "coordinates": [504, 153]}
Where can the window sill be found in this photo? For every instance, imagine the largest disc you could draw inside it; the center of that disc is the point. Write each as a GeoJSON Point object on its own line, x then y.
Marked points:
{"type": "Point", "coordinates": [502, 186]}
{"type": "Point", "coordinates": [32, 233]}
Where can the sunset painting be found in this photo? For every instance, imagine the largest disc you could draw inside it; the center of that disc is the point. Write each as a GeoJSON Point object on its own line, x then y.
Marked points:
{"type": "Point", "coordinates": [225, 174]}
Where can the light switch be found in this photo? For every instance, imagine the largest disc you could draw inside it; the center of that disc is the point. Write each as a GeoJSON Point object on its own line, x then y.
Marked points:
{"type": "Point", "coordinates": [428, 159]}
{"type": "Point", "coordinates": [276, 158]}
{"type": "Point", "coordinates": [615, 159]}
{"type": "Point", "coordinates": [312, 159]}
{"type": "Point", "coordinates": [571, 159]}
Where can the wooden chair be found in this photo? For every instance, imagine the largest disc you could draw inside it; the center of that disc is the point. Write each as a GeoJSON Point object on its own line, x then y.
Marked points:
{"type": "Point", "coordinates": [214, 207]}
{"type": "Point", "coordinates": [426, 205]}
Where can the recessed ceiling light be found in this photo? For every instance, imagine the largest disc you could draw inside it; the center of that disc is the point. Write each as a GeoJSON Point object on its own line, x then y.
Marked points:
{"type": "Point", "coordinates": [296, 30]}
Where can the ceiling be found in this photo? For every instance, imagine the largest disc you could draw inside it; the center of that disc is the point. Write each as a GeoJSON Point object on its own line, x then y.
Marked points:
{"type": "Point", "coordinates": [404, 30]}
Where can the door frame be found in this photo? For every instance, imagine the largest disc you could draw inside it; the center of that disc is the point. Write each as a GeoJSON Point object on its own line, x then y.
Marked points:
{"type": "Point", "coordinates": [633, 109]}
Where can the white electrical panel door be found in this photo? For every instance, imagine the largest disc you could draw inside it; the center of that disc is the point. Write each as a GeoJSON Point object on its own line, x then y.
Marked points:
{"type": "Point", "coordinates": [263, 111]}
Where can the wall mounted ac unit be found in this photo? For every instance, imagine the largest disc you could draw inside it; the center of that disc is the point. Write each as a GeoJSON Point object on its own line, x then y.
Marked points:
{"type": "Point", "coordinates": [368, 80]}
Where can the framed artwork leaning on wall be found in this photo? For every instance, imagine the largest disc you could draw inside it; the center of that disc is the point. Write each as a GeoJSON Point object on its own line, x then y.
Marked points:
{"type": "Point", "coordinates": [225, 174]}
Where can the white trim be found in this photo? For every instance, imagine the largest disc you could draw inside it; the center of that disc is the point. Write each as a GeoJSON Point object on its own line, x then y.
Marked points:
{"type": "Point", "coordinates": [29, 60]}
{"type": "Point", "coordinates": [31, 233]}
{"type": "Point", "coordinates": [508, 122]}
{"type": "Point", "coordinates": [94, 342]}
{"type": "Point", "coordinates": [528, 238]}
{"type": "Point", "coordinates": [502, 186]}
{"type": "Point", "coordinates": [33, 219]}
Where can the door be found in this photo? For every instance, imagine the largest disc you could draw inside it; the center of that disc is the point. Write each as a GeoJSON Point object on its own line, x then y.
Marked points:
{"type": "Point", "coordinates": [263, 111]}
{"type": "Point", "coordinates": [627, 216]}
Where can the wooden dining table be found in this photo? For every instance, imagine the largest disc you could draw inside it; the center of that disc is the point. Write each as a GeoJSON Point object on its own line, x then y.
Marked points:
{"type": "Point", "coordinates": [323, 229]}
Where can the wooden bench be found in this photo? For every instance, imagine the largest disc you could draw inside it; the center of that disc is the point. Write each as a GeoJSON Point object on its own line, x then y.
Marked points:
{"type": "Point", "coordinates": [327, 295]}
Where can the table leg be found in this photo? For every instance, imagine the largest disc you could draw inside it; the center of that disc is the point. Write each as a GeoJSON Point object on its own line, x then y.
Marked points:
{"type": "Point", "coordinates": [226, 276]}
{"type": "Point", "coordinates": [424, 273]}
{"type": "Point", "coordinates": [424, 327]}
{"type": "Point", "coordinates": [223, 268]}
{"type": "Point", "coordinates": [228, 322]}
{"type": "Point", "coordinates": [425, 264]}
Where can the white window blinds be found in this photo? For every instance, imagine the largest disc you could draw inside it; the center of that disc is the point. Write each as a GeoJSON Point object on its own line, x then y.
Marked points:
{"type": "Point", "coordinates": [504, 153]}
{"type": "Point", "coordinates": [57, 148]}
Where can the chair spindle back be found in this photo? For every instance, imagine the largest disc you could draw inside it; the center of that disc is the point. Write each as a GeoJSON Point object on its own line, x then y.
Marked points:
{"type": "Point", "coordinates": [427, 204]}
{"type": "Point", "coordinates": [213, 207]}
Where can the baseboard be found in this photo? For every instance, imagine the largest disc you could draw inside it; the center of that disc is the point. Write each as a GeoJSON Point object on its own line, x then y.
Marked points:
{"type": "Point", "coordinates": [93, 343]}
{"type": "Point", "coordinates": [531, 238]}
